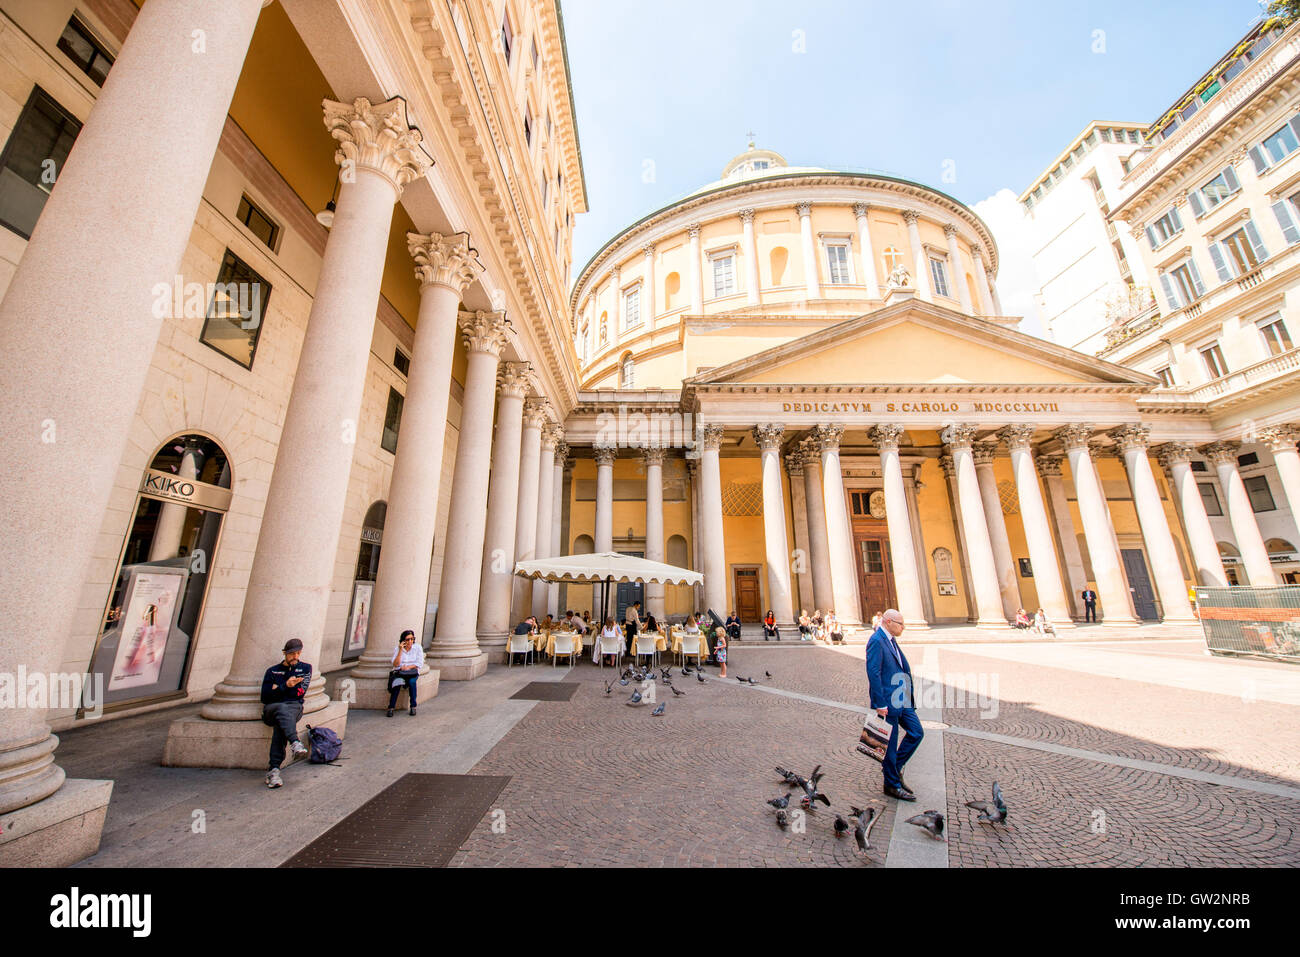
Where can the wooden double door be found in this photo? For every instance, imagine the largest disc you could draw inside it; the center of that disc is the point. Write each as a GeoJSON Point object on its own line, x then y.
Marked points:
{"type": "Point", "coordinates": [875, 567]}
{"type": "Point", "coordinates": [748, 595]}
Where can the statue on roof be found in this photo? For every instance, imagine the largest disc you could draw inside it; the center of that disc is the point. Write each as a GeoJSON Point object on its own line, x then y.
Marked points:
{"type": "Point", "coordinates": [900, 278]}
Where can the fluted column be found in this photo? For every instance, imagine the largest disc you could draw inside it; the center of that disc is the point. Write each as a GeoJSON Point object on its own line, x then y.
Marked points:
{"type": "Point", "coordinates": [293, 568]}
{"type": "Point", "coordinates": [1281, 441]}
{"type": "Point", "coordinates": [819, 551]}
{"type": "Point", "coordinates": [604, 456]}
{"type": "Point", "coordinates": [715, 559]}
{"type": "Point", "coordinates": [697, 529]}
{"type": "Point", "coordinates": [171, 517]}
{"type": "Point", "coordinates": [1223, 456]}
{"type": "Point", "coordinates": [551, 436]}
{"type": "Point", "coordinates": [530, 456]}
{"type": "Point", "coordinates": [868, 254]}
{"type": "Point", "coordinates": [1112, 587]}
{"type": "Point", "coordinates": [497, 577]}
{"type": "Point", "coordinates": [839, 538]}
{"type": "Point", "coordinates": [902, 550]}
{"type": "Point", "coordinates": [957, 274]}
{"type": "Point", "coordinates": [1076, 580]}
{"type": "Point", "coordinates": [616, 287]}
{"type": "Point", "coordinates": [455, 651]}
{"type": "Point", "coordinates": [812, 280]}
{"type": "Point", "coordinates": [557, 521]}
{"type": "Point", "coordinates": [1177, 460]}
{"type": "Point", "coordinates": [975, 528]}
{"type": "Point", "coordinates": [81, 301]}
{"type": "Point", "coordinates": [648, 295]}
{"type": "Point", "coordinates": [982, 283]}
{"type": "Point", "coordinates": [920, 263]}
{"type": "Point", "coordinates": [776, 550]}
{"type": "Point", "coordinates": [799, 512]}
{"type": "Point", "coordinates": [1132, 442]}
{"type": "Point", "coordinates": [990, 497]}
{"type": "Point", "coordinates": [954, 498]}
{"type": "Point", "coordinates": [751, 258]}
{"type": "Point", "coordinates": [654, 524]}
{"type": "Point", "coordinates": [444, 266]}
{"type": "Point", "coordinates": [1038, 533]}
{"type": "Point", "coordinates": [697, 270]}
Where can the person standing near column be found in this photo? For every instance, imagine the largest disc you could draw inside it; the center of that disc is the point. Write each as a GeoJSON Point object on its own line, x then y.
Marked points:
{"type": "Point", "coordinates": [1089, 605]}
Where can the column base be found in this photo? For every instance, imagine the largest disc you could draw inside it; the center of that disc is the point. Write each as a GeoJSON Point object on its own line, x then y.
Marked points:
{"type": "Point", "coordinates": [59, 830]}
{"type": "Point", "coordinates": [1120, 623]}
{"type": "Point", "coordinates": [371, 694]}
{"type": "Point", "coordinates": [198, 742]}
{"type": "Point", "coordinates": [461, 669]}
{"type": "Point", "coordinates": [1181, 621]}
{"type": "Point", "coordinates": [1064, 625]}
{"type": "Point", "coordinates": [999, 623]}
{"type": "Point", "coordinates": [494, 648]}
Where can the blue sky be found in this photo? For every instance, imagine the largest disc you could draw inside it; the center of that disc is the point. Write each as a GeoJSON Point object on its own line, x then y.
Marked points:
{"type": "Point", "coordinates": [997, 87]}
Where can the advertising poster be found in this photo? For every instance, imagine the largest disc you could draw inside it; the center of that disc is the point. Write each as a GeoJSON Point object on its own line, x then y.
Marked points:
{"type": "Point", "coordinates": [146, 624]}
{"type": "Point", "coordinates": [359, 620]}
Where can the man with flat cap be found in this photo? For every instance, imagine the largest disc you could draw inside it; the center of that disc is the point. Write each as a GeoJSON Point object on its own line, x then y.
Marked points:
{"type": "Point", "coordinates": [284, 686]}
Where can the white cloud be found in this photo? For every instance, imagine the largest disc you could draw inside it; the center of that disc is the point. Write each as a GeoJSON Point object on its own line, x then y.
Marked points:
{"type": "Point", "coordinates": [1017, 279]}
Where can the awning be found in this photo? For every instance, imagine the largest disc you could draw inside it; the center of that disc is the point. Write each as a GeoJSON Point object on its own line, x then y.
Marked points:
{"type": "Point", "coordinates": [605, 567]}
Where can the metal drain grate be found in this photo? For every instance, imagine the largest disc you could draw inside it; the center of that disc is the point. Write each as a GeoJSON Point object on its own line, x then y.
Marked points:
{"type": "Point", "coordinates": [420, 820]}
{"type": "Point", "coordinates": [547, 691]}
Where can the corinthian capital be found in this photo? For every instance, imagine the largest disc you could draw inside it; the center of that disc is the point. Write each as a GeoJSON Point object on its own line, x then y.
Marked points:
{"type": "Point", "coordinates": [950, 230]}
{"type": "Point", "coordinates": [827, 437]}
{"type": "Point", "coordinates": [514, 379]}
{"type": "Point", "coordinates": [444, 260]}
{"type": "Point", "coordinates": [561, 452]}
{"type": "Point", "coordinates": [604, 454]}
{"type": "Point", "coordinates": [653, 454]}
{"type": "Point", "coordinates": [535, 413]}
{"type": "Point", "coordinates": [713, 437]}
{"type": "Point", "coordinates": [860, 209]}
{"type": "Point", "coordinates": [553, 435]}
{"type": "Point", "coordinates": [887, 437]}
{"type": "Point", "coordinates": [1174, 453]}
{"type": "Point", "coordinates": [377, 137]}
{"type": "Point", "coordinates": [768, 436]}
{"type": "Point", "coordinates": [1048, 465]}
{"type": "Point", "coordinates": [1074, 436]}
{"type": "Point", "coordinates": [747, 215]}
{"type": "Point", "coordinates": [958, 436]}
{"type": "Point", "coordinates": [794, 460]}
{"type": "Point", "coordinates": [1131, 436]}
{"type": "Point", "coordinates": [1281, 438]}
{"type": "Point", "coordinates": [1222, 453]}
{"type": "Point", "coordinates": [484, 331]}
{"type": "Point", "coordinates": [910, 216]}
{"type": "Point", "coordinates": [1017, 437]}
{"type": "Point", "coordinates": [984, 453]}
{"type": "Point", "coordinates": [803, 209]}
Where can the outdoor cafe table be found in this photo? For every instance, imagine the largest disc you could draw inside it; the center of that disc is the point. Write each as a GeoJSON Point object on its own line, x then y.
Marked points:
{"type": "Point", "coordinates": [549, 640]}
{"type": "Point", "coordinates": [679, 634]}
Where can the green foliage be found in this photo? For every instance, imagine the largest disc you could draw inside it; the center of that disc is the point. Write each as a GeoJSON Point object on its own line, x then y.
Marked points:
{"type": "Point", "coordinates": [1287, 10]}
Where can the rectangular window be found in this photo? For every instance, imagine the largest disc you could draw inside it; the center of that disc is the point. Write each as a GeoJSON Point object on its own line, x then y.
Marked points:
{"type": "Point", "coordinates": [1199, 466]}
{"type": "Point", "coordinates": [32, 160]}
{"type": "Point", "coordinates": [402, 362]}
{"type": "Point", "coordinates": [546, 190]}
{"type": "Point", "coordinates": [536, 55]}
{"type": "Point", "coordinates": [1215, 191]}
{"type": "Point", "coordinates": [1166, 376]}
{"type": "Point", "coordinates": [1187, 282]}
{"type": "Point", "coordinates": [1276, 337]}
{"type": "Point", "coordinates": [837, 261]}
{"type": "Point", "coordinates": [1210, 498]}
{"type": "Point", "coordinates": [939, 273]}
{"type": "Point", "coordinates": [392, 420]}
{"type": "Point", "coordinates": [1165, 228]}
{"type": "Point", "coordinates": [1275, 147]}
{"type": "Point", "coordinates": [258, 222]}
{"type": "Point", "coordinates": [724, 276]}
{"type": "Point", "coordinates": [528, 125]}
{"type": "Point", "coordinates": [1247, 458]}
{"type": "Point", "coordinates": [1261, 499]}
{"type": "Point", "coordinates": [85, 51]}
{"type": "Point", "coordinates": [234, 320]}
{"type": "Point", "coordinates": [632, 307]}
{"type": "Point", "coordinates": [1215, 367]}
{"type": "Point", "coordinates": [507, 36]}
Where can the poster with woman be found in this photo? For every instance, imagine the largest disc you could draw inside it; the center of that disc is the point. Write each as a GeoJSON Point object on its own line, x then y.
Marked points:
{"type": "Point", "coordinates": [145, 626]}
{"type": "Point", "coordinates": [359, 620]}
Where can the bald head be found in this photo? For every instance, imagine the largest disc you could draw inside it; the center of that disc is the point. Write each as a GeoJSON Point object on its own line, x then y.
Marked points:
{"type": "Point", "coordinates": [892, 621]}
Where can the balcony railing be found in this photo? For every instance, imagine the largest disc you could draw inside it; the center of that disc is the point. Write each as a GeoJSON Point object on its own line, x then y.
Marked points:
{"type": "Point", "coordinates": [1250, 376]}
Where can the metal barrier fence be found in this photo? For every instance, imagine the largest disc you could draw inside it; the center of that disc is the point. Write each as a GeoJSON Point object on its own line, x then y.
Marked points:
{"type": "Point", "coordinates": [1263, 622]}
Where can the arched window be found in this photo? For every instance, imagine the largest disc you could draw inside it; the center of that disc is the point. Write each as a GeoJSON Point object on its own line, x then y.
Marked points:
{"type": "Point", "coordinates": [626, 372]}
{"type": "Point", "coordinates": [1278, 546]}
{"type": "Point", "coordinates": [672, 286]}
{"type": "Point", "coordinates": [891, 257]}
{"type": "Point", "coordinates": [363, 585]}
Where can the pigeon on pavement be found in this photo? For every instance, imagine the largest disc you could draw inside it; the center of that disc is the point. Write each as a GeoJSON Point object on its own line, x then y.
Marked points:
{"type": "Point", "coordinates": [841, 826]}
{"type": "Point", "coordinates": [862, 832]}
{"type": "Point", "coordinates": [782, 802]}
{"type": "Point", "coordinates": [699, 676]}
{"type": "Point", "coordinates": [991, 813]}
{"type": "Point", "coordinates": [781, 820]}
{"type": "Point", "coordinates": [659, 710]}
{"type": "Point", "coordinates": [609, 688]}
{"type": "Point", "coordinates": [636, 698]}
{"type": "Point", "coordinates": [931, 821]}
{"type": "Point", "coordinates": [768, 673]}
{"type": "Point", "coordinates": [789, 777]}
{"type": "Point", "coordinates": [676, 693]}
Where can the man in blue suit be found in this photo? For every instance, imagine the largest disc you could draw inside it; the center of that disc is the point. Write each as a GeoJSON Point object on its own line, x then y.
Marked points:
{"type": "Point", "coordinates": [891, 695]}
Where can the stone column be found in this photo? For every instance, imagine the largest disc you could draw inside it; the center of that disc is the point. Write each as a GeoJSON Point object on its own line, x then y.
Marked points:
{"type": "Point", "coordinates": [1223, 456]}
{"type": "Point", "coordinates": [649, 285]}
{"type": "Point", "coordinates": [819, 551]}
{"type": "Point", "coordinates": [811, 267]}
{"type": "Point", "coordinates": [105, 245]}
{"type": "Point", "coordinates": [654, 525]}
{"type": "Point", "coordinates": [911, 484]}
{"type": "Point", "coordinates": [1281, 441]}
{"type": "Point", "coordinates": [604, 456]}
{"type": "Point", "coordinates": [975, 528]}
{"type": "Point", "coordinates": [776, 548]}
{"type": "Point", "coordinates": [293, 568]}
{"type": "Point", "coordinates": [1008, 586]}
{"type": "Point", "coordinates": [497, 578]}
{"type": "Point", "coordinates": [557, 521]}
{"type": "Point", "coordinates": [799, 512]}
{"type": "Point", "coordinates": [715, 559]}
{"type": "Point", "coordinates": [958, 273]}
{"type": "Point", "coordinates": [615, 285]}
{"type": "Point", "coordinates": [1049, 468]}
{"type": "Point", "coordinates": [997, 300]}
{"type": "Point", "coordinates": [963, 550]}
{"type": "Point", "coordinates": [171, 517]}
{"type": "Point", "coordinates": [696, 277]}
{"type": "Point", "coordinates": [1177, 459]}
{"type": "Point", "coordinates": [455, 651]}
{"type": "Point", "coordinates": [751, 258]}
{"type": "Point", "coordinates": [1112, 587]}
{"type": "Point", "coordinates": [868, 255]}
{"type": "Point", "coordinates": [1132, 442]}
{"type": "Point", "coordinates": [920, 263]}
{"type": "Point", "coordinates": [839, 538]}
{"type": "Point", "coordinates": [901, 548]}
{"type": "Point", "coordinates": [444, 266]}
{"type": "Point", "coordinates": [697, 529]}
{"type": "Point", "coordinates": [545, 505]}
{"type": "Point", "coordinates": [534, 420]}
{"type": "Point", "coordinates": [982, 283]}
{"type": "Point", "coordinates": [1038, 532]}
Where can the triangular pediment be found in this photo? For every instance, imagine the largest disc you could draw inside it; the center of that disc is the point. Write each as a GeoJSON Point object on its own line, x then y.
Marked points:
{"type": "Point", "coordinates": [915, 342]}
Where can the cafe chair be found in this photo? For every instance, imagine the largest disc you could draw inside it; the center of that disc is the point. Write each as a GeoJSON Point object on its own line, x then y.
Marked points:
{"type": "Point", "coordinates": [519, 645]}
{"type": "Point", "coordinates": [690, 648]}
{"type": "Point", "coordinates": [564, 645]}
{"type": "Point", "coordinates": [646, 645]}
{"type": "Point", "coordinates": [611, 646]}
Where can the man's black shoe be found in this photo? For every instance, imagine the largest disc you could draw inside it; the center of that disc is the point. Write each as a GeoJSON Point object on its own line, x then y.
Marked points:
{"type": "Point", "coordinates": [901, 794]}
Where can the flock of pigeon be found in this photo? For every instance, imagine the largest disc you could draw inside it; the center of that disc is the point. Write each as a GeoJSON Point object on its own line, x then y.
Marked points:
{"type": "Point", "coordinates": [665, 675]}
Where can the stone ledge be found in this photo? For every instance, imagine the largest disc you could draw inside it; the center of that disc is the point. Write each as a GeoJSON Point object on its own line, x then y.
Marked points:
{"type": "Point", "coordinates": [197, 742]}
{"type": "Point", "coordinates": [58, 831]}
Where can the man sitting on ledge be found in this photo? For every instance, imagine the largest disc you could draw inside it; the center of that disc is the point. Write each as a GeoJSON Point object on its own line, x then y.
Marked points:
{"type": "Point", "coordinates": [284, 686]}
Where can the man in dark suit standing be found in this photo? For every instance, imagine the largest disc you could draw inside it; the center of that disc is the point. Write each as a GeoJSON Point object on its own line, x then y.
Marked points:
{"type": "Point", "coordinates": [890, 677]}
{"type": "Point", "coordinates": [1089, 605]}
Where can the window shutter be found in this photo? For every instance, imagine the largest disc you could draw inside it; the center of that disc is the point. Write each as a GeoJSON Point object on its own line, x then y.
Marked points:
{"type": "Point", "coordinates": [1170, 295]}
{"type": "Point", "coordinates": [1289, 231]}
{"type": "Point", "coordinates": [1295, 125]}
{"type": "Point", "coordinates": [1253, 235]}
{"type": "Point", "coordinates": [1257, 157]}
{"type": "Point", "coordinates": [1230, 177]}
{"type": "Point", "coordinates": [1194, 198]}
{"type": "Point", "coordinates": [1175, 218]}
{"type": "Point", "coordinates": [1220, 266]}
{"type": "Point", "coordinates": [1196, 278]}
{"type": "Point", "coordinates": [1151, 237]}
